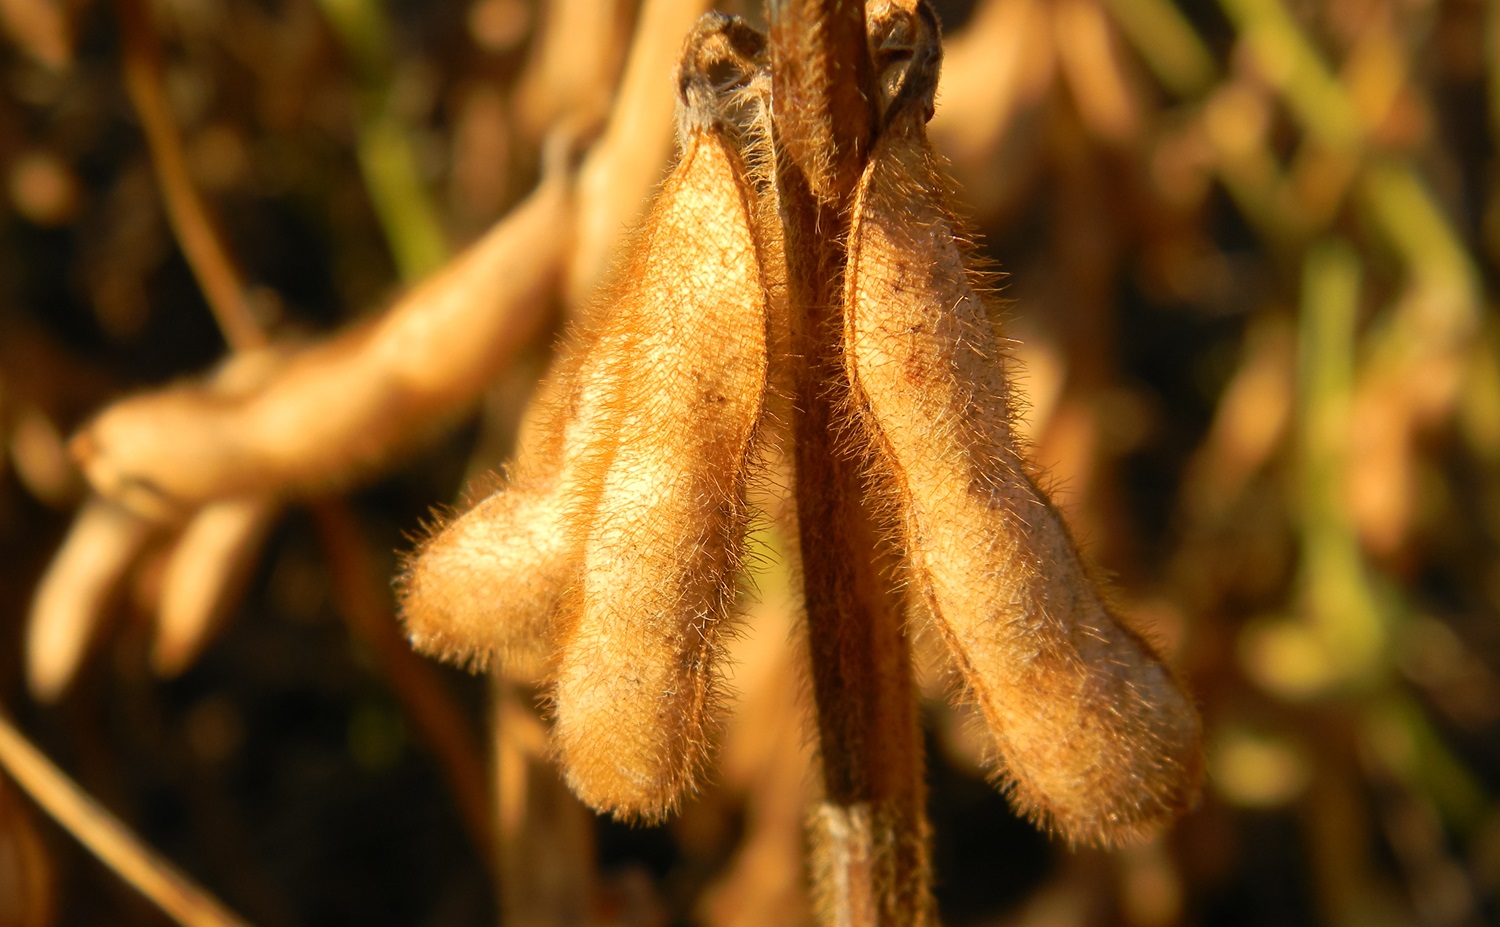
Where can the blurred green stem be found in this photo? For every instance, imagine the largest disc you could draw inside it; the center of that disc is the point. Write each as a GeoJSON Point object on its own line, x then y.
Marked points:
{"type": "Point", "coordinates": [387, 153]}
{"type": "Point", "coordinates": [1167, 42]}
{"type": "Point", "coordinates": [1342, 606]}
{"type": "Point", "coordinates": [1293, 65]}
{"type": "Point", "coordinates": [1399, 736]}
{"type": "Point", "coordinates": [1445, 304]}
{"type": "Point", "coordinates": [1444, 309]}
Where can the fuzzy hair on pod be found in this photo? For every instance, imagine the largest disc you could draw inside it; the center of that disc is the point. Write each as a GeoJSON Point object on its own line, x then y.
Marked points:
{"type": "Point", "coordinates": [663, 531]}
{"type": "Point", "coordinates": [1095, 737]}
{"type": "Point", "coordinates": [487, 584]}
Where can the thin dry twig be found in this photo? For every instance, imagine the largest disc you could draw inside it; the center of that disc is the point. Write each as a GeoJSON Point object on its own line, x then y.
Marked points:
{"type": "Point", "coordinates": [363, 599]}
{"type": "Point", "coordinates": [103, 834]}
{"type": "Point", "coordinates": [201, 242]}
{"type": "Point", "coordinates": [544, 835]}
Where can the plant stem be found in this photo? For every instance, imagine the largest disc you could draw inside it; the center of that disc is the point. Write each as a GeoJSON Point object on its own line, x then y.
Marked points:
{"type": "Point", "coordinates": [386, 148]}
{"type": "Point", "coordinates": [824, 87]}
{"type": "Point", "coordinates": [869, 832]}
{"type": "Point", "coordinates": [197, 235]}
{"type": "Point", "coordinates": [102, 833]}
{"type": "Point", "coordinates": [363, 599]}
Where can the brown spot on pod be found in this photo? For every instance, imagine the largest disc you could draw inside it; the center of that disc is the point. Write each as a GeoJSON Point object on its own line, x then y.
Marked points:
{"type": "Point", "coordinates": [1094, 736]}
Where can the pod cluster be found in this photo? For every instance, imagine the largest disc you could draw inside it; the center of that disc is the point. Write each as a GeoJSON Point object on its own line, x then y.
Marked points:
{"type": "Point", "coordinates": [607, 561]}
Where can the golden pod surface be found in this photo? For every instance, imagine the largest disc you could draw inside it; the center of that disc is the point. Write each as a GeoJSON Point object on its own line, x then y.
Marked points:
{"type": "Point", "coordinates": [663, 531]}
{"type": "Point", "coordinates": [1094, 736]}
{"type": "Point", "coordinates": [487, 583]}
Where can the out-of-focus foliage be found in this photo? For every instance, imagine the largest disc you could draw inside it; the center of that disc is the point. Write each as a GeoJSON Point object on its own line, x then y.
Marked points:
{"type": "Point", "coordinates": [1250, 249]}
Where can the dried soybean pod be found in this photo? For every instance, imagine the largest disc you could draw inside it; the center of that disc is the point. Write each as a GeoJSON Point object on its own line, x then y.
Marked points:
{"type": "Point", "coordinates": [1096, 738]}
{"type": "Point", "coordinates": [336, 409]}
{"type": "Point", "coordinates": [205, 576]}
{"type": "Point", "coordinates": [487, 584]}
{"type": "Point", "coordinates": [74, 595]}
{"type": "Point", "coordinates": [636, 683]}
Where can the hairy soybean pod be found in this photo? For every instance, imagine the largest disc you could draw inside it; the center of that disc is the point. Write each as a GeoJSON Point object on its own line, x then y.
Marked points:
{"type": "Point", "coordinates": [487, 584]}
{"type": "Point", "coordinates": [636, 683]}
{"type": "Point", "coordinates": [1095, 737]}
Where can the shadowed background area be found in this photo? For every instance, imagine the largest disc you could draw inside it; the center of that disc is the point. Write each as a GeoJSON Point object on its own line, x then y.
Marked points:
{"type": "Point", "coordinates": [1248, 247]}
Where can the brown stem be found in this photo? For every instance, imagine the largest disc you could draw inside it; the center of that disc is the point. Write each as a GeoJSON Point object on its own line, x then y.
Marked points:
{"type": "Point", "coordinates": [103, 834]}
{"type": "Point", "coordinates": [190, 218]}
{"type": "Point", "coordinates": [824, 91]}
{"type": "Point", "coordinates": [544, 836]}
{"type": "Point", "coordinates": [869, 833]}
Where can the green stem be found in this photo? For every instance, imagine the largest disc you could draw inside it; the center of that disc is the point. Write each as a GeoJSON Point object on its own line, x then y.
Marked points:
{"type": "Point", "coordinates": [387, 154]}
{"type": "Point", "coordinates": [1343, 607]}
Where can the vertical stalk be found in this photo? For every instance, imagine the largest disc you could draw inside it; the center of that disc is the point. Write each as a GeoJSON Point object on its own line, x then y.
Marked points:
{"type": "Point", "coordinates": [869, 831]}
{"type": "Point", "coordinates": [544, 836]}
{"type": "Point", "coordinates": [1345, 610]}
{"type": "Point", "coordinates": [824, 88]}
{"type": "Point", "coordinates": [386, 148]}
